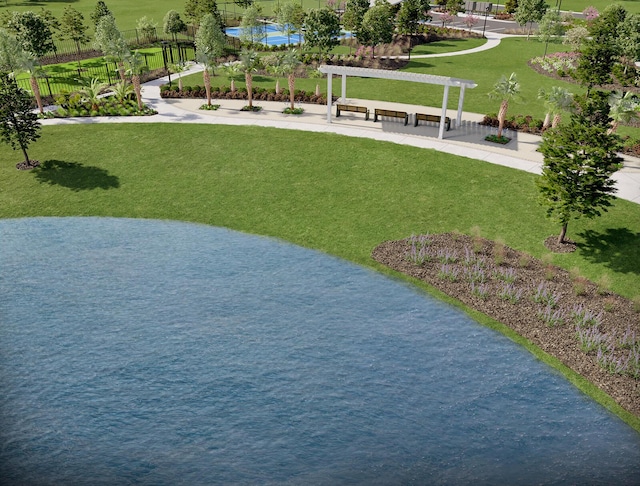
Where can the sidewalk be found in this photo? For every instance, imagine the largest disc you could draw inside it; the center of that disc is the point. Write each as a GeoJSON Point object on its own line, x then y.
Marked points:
{"type": "Point", "coordinates": [466, 140]}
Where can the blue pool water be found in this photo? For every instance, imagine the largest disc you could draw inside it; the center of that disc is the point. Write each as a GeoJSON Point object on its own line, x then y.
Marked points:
{"type": "Point", "coordinates": [150, 352]}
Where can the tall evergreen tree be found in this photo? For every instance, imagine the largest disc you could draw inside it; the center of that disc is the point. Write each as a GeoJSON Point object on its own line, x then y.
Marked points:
{"type": "Point", "coordinates": [74, 28]}
{"type": "Point", "coordinates": [172, 24]}
{"type": "Point", "coordinates": [100, 11]}
{"type": "Point", "coordinates": [19, 126]}
{"type": "Point", "coordinates": [579, 159]}
{"type": "Point", "coordinates": [210, 44]}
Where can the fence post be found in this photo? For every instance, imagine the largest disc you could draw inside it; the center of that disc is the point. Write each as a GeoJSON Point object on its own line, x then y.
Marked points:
{"type": "Point", "coordinates": [106, 65]}
{"type": "Point", "coordinates": [46, 78]}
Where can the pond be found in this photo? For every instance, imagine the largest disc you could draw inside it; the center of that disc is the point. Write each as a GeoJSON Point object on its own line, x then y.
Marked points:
{"type": "Point", "coordinates": [158, 352]}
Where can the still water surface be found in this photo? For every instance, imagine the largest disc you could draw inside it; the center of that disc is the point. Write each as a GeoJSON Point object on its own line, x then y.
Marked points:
{"type": "Point", "coordinates": [153, 352]}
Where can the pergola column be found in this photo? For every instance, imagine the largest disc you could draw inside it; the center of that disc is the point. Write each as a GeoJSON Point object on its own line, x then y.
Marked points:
{"type": "Point", "coordinates": [329, 96]}
{"type": "Point", "coordinates": [443, 115]}
{"type": "Point", "coordinates": [460, 103]}
{"type": "Point", "coordinates": [343, 92]}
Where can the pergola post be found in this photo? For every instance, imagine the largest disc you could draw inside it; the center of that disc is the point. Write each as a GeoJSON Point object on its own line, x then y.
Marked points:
{"type": "Point", "coordinates": [329, 96]}
{"type": "Point", "coordinates": [343, 92]}
{"type": "Point", "coordinates": [443, 115]}
{"type": "Point", "coordinates": [460, 103]}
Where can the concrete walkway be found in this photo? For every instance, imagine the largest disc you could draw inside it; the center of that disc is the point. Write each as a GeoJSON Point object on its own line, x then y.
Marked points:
{"type": "Point", "coordinates": [466, 140]}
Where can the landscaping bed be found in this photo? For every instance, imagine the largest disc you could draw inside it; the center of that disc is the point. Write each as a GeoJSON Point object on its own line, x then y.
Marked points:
{"type": "Point", "coordinates": [592, 331]}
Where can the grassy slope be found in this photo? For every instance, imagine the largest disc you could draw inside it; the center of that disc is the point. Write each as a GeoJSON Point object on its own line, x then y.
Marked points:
{"type": "Point", "coordinates": [340, 195]}
{"type": "Point", "coordinates": [127, 12]}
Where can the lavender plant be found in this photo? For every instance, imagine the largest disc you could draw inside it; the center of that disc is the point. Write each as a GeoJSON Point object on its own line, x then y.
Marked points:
{"type": "Point", "coordinates": [543, 295]}
{"type": "Point", "coordinates": [551, 317]}
{"type": "Point", "coordinates": [448, 272]}
{"type": "Point", "coordinates": [506, 274]}
{"type": "Point", "coordinates": [475, 274]}
{"type": "Point", "coordinates": [584, 317]}
{"type": "Point", "coordinates": [509, 292]}
{"type": "Point", "coordinates": [591, 338]}
{"type": "Point", "coordinates": [447, 256]}
{"type": "Point", "coordinates": [480, 290]}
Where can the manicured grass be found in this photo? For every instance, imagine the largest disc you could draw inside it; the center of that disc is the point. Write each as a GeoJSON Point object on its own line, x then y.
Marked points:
{"type": "Point", "coordinates": [448, 45]}
{"type": "Point", "coordinates": [484, 68]}
{"type": "Point", "coordinates": [580, 5]}
{"type": "Point", "coordinates": [340, 195]}
{"type": "Point", "coordinates": [128, 12]}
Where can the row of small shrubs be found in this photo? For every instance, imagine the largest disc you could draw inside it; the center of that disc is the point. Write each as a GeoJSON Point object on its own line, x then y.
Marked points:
{"type": "Point", "coordinates": [224, 92]}
{"type": "Point", "coordinates": [110, 107]}
{"type": "Point", "coordinates": [519, 123]}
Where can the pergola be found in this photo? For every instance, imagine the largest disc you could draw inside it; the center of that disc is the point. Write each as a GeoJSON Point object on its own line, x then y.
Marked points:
{"type": "Point", "coordinates": [445, 81]}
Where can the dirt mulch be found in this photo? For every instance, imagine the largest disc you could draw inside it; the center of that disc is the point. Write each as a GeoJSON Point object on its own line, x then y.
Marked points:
{"type": "Point", "coordinates": [560, 341]}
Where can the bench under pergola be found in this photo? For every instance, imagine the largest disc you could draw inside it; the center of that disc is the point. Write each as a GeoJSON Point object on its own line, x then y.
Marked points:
{"type": "Point", "coordinates": [445, 81]}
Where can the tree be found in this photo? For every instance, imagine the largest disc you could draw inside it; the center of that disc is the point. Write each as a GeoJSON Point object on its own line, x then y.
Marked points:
{"type": "Point", "coordinates": [33, 32]}
{"type": "Point", "coordinates": [194, 10]}
{"type": "Point", "coordinates": [290, 62]}
{"type": "Point", "coordinates": [510, 6]}
{"type": "Point", "coordinates": [210, 43]}
{"type": "Point", "coordinates": [147, 28]}
{"type": "Point", "coordinates": [575, 37]}
{"type": "Point", "coordinates": [354, 14]}
{"type": "Point", "coordinates": [249, 63]}
{"type": "Point", "coordinates": [289, 17]}
{"type": "Point", "coordinates": [579, 159]}
{"type": "Point", "coordinates": [19, 126]}
{"type": "Point", "coordinates": [322, 28]}
{"type": "Point", "coordinates": [135, 67]}
{"type": "Point", "coordinates": [623, 108]}
{"type": "Point", "coordinates": [110, 41]}
{"type": "Point", "coordinates": [629, 39]}
{"type": "Point", "coordinates": [600, 50]}
{"type": "Point", "coordinates": [506, 89]}
{"type": "Point", "coordinates": [377, 25]}
{"type": "Point", "coordinates": [411, 13]}
{"type": "Point", "coordinates": [556, 101]}
{"type": "Point", "coordinates": [100, 11]}
{"type": "Point", "coordinates": [14, 59]}
{"type": "Point", "coordinates": [454, 7]}
{"type": "Point", "coordinates": [550, 28]}
{"type": "Point", "coordinates": [73, 28]}
{"type": "Point", "coordinates": [253, 28]}
{"type": "Point", "coordinates": [530, 11]}
{"type": "Point", "coordinates": [172, 24]}
{"type": "Point", "coordinates": [243, 3]}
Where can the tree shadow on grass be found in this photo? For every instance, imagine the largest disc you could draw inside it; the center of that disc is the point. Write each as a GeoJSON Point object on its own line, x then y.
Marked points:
{"type": "Point", "coordinates": [75, 176]}
{"type": "Point", "coordinates": [617, 248]}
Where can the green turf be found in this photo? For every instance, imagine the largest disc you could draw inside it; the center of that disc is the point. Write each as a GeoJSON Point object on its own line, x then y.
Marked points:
{"type": "Point", "coordinates": [580, 5]}
{"type": "Point", "coordinates": [341, 195]}
{"type": "Point", "coordinates": [127, 12]}
{"type": "Point", "coordinates": [484, 68]}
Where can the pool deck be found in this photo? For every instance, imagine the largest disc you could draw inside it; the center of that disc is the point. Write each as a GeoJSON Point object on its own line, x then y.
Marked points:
{"type": "Point", "coordinates": [466, 140]}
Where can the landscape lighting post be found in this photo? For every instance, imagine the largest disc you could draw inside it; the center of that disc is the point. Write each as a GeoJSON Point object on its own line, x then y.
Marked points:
{"type": "Point", "coordinates": [486, 12]}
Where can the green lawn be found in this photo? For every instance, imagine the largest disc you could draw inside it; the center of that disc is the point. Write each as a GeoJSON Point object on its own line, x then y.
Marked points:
{"type": "Point", "coordinates": [580, 5]}
{"type": "Point", "coordinates": [127, 12]}
{"type": "Point", "coordinates": [337, 194]}
{"type": "Point", "coordinates": [483, 67]}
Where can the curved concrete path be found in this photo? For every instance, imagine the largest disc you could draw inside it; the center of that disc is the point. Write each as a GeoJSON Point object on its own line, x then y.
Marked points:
{"type": "Point", "coordinates": [466, 140]}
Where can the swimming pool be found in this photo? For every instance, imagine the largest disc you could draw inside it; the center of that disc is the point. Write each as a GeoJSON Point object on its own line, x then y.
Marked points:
{"type": "Point", "coordinates": [157, 352]}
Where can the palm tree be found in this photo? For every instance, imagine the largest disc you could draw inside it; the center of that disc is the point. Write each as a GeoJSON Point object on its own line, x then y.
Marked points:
{"type": "Point", "coordinates": [556, 101]}
{"type": "Point", "coordinates": [506, 89]}
{"type": "Point", "coordinates": [276, 67]}
{"type": "Point", "coordinates": [234, 73]}
{"type": "Point", "coordinates": [121, 91]}
{"type": "Point", "coordinates": [14, 59]}
{"type": "Point", "coordinates": [290, 62]}
{"type": "Point", "coordinates": [91, 92]}
{"type": "Point", "coordinates": [210, 44]}
{"type": "Point", "coordinates": [136, 66]}
{"type": "Point", "coordinates": [249, 63]}
{"type": "Point", "coordinates": [622, 109]}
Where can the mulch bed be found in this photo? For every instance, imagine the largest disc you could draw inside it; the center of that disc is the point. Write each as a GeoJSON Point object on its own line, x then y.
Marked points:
{"type": "Point", "coordinates": [618, 313]}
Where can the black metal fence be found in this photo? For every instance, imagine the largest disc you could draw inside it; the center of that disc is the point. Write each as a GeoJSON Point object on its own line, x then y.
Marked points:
{"type": "Point", "coordinates": [54, 80]}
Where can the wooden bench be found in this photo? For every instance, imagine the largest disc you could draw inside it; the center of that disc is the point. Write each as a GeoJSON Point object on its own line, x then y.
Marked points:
{"type": "Point", "coordinates": [392, 113]}
{"type": "Point", "coordinates": [354, 109]}
{"type": "Point", "coordinates": [431, 118]}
